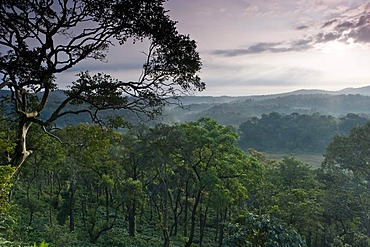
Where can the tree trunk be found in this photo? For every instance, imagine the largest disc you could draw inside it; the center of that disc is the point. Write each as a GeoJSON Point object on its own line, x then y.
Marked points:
{"type": "Point", "coordinates": [186, 209]}
{"type": "Point", "coordinates": [72, 202]}
{"type": "Point", "coordinates": [202, 225]}
{"type": "Point", "coordinates": [193, 219]}
{"type": "Point", "coordinates": [309, 239]}
{"type": "Point", "coordinates": [166, 236]}
{"type": "Point", "coordinates": [21, 152]}
{"type": "Point", "coordinates": [222, 227]}
{"type": "Point", "coordinates": [176, 214]}
{"type": "Point", "coordinates": [107, 213]}
{"type": "Point", "coordinates": [51, 181]}
{"type": "Point", "coordinates": [132, 220]}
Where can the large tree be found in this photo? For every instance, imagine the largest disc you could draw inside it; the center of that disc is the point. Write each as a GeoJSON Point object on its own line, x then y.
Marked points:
{"type": "Point", "coordinates": [40, 39]}
{"type": "Point", "coordinates": [346, 174]}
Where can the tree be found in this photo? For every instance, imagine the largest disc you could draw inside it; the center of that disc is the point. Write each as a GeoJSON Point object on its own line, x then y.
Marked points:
{"type": "Point", "coordinates": [346, 174]}
{"type": "Point", "coordinates": [260, 230]}
{"type": "Point", "coordinates": [199, 175]}
{"type": "Point", "coordinates": [41, 39]}
{"type": "Point", "coordinates": [92, 168]}
{"type": "Point", "coordinates": [296, 194]}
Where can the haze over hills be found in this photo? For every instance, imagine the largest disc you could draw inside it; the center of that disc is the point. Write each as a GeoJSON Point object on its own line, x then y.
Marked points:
{"type": "Point", "coordinates": [350, 90]}
{"type": "Point", "coordinates": [235, 110]}
{"type": "Point", "coordinates": [186, 100]}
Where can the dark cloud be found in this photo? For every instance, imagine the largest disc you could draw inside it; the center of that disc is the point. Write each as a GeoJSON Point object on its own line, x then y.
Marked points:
{"type": "Point", "coordinates": [274, 47]}
{"type": "Point", "coordinates": [262, 47]}
{"type": "Point", "coordinates": [327, 37]}
{"type": "Point", "coordinates": [361, 35]}
{"type": "Point", "coordinates": [365, 19]}
{"type": "Point", "coordinates": [302, 44]}
{"type": "Point", "coordinates": [329, 23]}
{"type": "Point", "coordinates": [303, 27]}
{"type": "Point", "coordinates": [345, 25]}
{"type": "Point", "coordinates": [254, 49]}
{"type": "Point", "coordinates": [358, 30]}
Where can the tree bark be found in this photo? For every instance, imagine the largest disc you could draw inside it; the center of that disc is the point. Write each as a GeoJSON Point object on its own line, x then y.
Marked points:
{"type": "Point", "coordinates": [193, 219]}
{"type": "Point", "coordinates": [186, 209]}
{"type": "Point", "coordinates": [132, 220]}
{"type": "Point", "coordinates": [21, 152]}
{"type": "Point", "coordinates": [202, 225]}
{"type": "Point", "coordinates": [72, 203]}
{"type": "Point", "coordinates": [221, 227]}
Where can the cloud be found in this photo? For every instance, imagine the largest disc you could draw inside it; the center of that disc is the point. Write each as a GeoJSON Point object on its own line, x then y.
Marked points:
{"type": "Point", "coordinates": [352, 26]}
{"type": "Point", "coordinates": [262, 79]}
{"type": "Point", "coordinates": [273, 47]}
{"type": "Point", "coordinates": [302, 27]}
{"type": "Point", "coordinates": [329, 23]}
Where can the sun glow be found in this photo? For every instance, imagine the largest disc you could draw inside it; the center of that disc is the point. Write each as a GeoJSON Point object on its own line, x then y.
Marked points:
{"type": "Point", "coordinates": [336, 46]}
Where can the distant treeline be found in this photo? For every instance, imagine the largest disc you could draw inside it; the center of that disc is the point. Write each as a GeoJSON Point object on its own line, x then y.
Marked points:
{"type": "Point", "coordinates": [295, 133]}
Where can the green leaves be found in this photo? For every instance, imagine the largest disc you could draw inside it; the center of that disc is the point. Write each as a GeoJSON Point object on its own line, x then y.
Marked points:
{"type": "Point", "coordinates": [260, 230]}
{"type": "Point", "coordinates": [41, 39]}
{"type": "Point", "coordinates": [6, 183]}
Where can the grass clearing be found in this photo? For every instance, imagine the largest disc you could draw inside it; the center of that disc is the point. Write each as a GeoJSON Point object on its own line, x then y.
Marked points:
{"type": "Point", "coordinates": [314, 160]}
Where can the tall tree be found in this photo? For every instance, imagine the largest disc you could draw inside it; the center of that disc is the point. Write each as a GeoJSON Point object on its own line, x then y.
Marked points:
{"type": "Point", "coordinates": [198, 173]}
{"type": "Point", "coordinates": [93, 168]}
{"type": "Point", "coordinates": [346, 174]}
{"type": "Point", "coordinates": [40, 39]}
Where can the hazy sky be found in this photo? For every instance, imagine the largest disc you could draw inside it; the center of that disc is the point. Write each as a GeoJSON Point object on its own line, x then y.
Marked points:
{"type": "Point", "coordinates": [268, 46]}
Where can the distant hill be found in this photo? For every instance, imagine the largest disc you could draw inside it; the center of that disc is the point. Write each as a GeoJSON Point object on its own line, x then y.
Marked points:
{"type": "Point", "coordinates": [235, 110]}
{"type": "Point", "coordinates": [361, 91]}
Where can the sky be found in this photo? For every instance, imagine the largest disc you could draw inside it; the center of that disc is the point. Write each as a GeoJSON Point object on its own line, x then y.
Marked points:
{"type": "Point", "coordinates": [259, 47]}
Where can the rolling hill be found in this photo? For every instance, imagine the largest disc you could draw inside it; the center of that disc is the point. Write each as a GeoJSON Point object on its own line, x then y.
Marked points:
{"type": "Point", "coordinates": [235, 110]}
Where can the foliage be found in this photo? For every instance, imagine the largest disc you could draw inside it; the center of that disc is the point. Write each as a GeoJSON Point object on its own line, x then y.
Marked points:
{"type": "Point", "coordinates": [345, 175]}
{"type": "Point", "coordinates": [294, 133]}
{"type": "Point", "coordinates": [6, 184]}
{"type": "Point", "coordinates": [42, 244]}
{"type": "Point", "coordinates": [41, 39]}
{"type": "Point", "coordinates": [184, 184]}
{"type": "Point", "coordinates": [260, 230]}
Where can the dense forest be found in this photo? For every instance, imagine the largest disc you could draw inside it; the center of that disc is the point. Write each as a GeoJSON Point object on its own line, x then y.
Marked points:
{"type": "Point", "coordinates": [236, 110]}
{"type": "Point", "coordinates": [189, 183]}
{"type": "Point", "coordinates": [295, 133]}
{"type": "Point", "coordinates": [108, 162]}
{"type": "Point", "coordinates": [182, 185]}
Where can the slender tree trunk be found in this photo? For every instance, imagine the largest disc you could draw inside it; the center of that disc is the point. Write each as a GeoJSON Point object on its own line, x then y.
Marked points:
{"type": "Point", "coordinates": [176, 213]}
{"type": "Point", "coordinates": [175, 225]}
{"type": "Point", "coordinates": [202, 225]}
{"type": "Point", "coordinates": [193, 219]}
{"type": "Point", "coordinates": [309, 239]}
{"type": "Point", "coordinates": [166, 236]}
{"type": "Point", "coordinates": [30, 206]}
{"type": "Point", "coordinates": [107, 205]}
{"type": "Point", "coordinates": [132, 220]}
{"type": "Point", "coordinates": [72, 202]}
{"type": "Point", "coordinates": [51, 198]}
{"type": "Point", "coordinates": [217, 225]}
{"type": "Point", "coordinates": [222, 227]}
{"type": "Point", "coordinates": [186, 209]}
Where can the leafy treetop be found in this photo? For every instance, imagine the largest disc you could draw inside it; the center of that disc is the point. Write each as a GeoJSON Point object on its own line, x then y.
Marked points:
{"type": "Point", "coordinates": [40, 39]}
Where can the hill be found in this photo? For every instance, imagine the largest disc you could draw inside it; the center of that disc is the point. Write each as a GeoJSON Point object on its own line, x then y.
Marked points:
{"type": "Point", "coordinates": [239, 109]}
{"type": "Point", "coordinates": [235, 110]}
